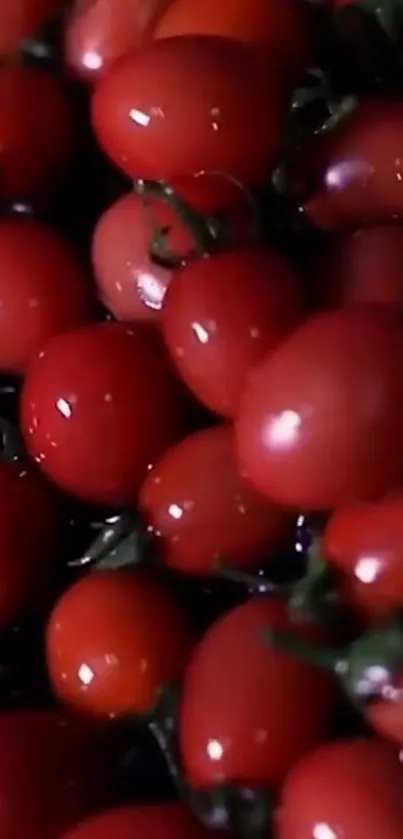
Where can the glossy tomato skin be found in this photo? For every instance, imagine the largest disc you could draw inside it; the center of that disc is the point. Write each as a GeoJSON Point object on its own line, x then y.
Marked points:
{"type": "Point", "coordinates": [221, 316]}
{"type": "Point", "coordinates": [23, 19]}
{"type": "Point", "coordinates": [114, 639]}
{"type": "Point", "coordinates": [149, 121]}
{"type": "Point", "coordinates": [354, 174]}
{"type": "Point", "coordinates": [201, 510]}
{"type": "Point", "coordinates": [37, 133]}
{"type": "Point", "coordinates": [352, 788]}
{"type": "Point", "coordinates": [29, 520]}
{"type": "Point", "coordinates": [319, 425]}
{"type": "Point", "coordinates": [148, 821]}
{"type": "Point", "coordinates": [385, 713]}
{"type": "Point", "coordinates": [99, 405]}
{"type": "Point", "coordinates": [50, 775]}
{"type": "Point", "coordinates": [249, 711]}
{"type": "Point", "coordinates": [44, 290]}
{"type": "Point", "coordinates": [99, 32]}
{"type": "Point", "coordinates": [363, 266]}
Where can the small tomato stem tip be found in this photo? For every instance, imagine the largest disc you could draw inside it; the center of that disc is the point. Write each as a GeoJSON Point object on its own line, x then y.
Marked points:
{"type": "Point", "coordinates": [324, 658]}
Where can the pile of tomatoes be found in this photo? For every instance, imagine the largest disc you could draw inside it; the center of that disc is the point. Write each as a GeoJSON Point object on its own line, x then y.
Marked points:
{"type": "Point", "coordinates": [201, 413]}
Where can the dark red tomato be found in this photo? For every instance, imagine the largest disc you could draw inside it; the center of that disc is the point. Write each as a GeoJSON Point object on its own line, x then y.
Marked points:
{"type": "Point", "coordinates": [351, 789]}
{"type": "Point", "coordinates": [50, 775]}
{"type": "Point", "coordinates": [320, 422]}
{"type": "Point", "coordinates": [44, 290]}
{"type": "Point", "coordinates": [22, 19]}
{"type": "Point", "coordinates": [37, 133]}
{"type": "Point", "coordinates": [365, 266]}
{"type": "Point", "coordinates": [99, 405]}
{"type": "Point", "coordinates": [249, 711]}
{"type": "Point", "coordinates": [142, 821]}
{"type": "Point", "coordinates": [150, 123]}
{"type": "Point", "coordinates": [114, 639]}
{"type": "Point", "coordinates": [221, 316]}
{"type": "Point", "coordinates": [354, 174]}
{"type": "Point", "coordinates": [385, 713]}
{"type": "Point", "coordinates": [101, 31]}
{"type": "Point", "coordinates": [201, 510]}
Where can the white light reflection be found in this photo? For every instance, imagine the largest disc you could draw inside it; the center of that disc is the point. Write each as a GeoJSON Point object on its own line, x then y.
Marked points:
{"type": "Point", "coordinates": [175, 511]}
{"type": "Point", "coordinates": [85, 674]}
{"type": "Point", "coordinates": [64, 408]}
{"type": "Point", "coordinates": [323, 831]}
{"type": "Point", "coordinates": [92, 60]}
{"type": "Point", "coordinates": [215, 750]}
{"type": "Point", "coordinates": [200, 332]}
{"type": "Point", "coordinates": [284, 428]}
{"type": "Point", "coordinates": [367, 569]}
{"type": "Point", "coordinates": [140, 118]}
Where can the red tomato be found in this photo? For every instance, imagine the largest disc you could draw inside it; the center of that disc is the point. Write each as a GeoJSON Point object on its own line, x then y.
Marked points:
{"type": "Point", "coordinates": [99, 405]}
{"type": "Point", "coordinates": [28, 539]}
{"type": "Point", "coordinates": [385, 713]}
{"type": "Point", "coordinates": [143, 821]}
{"type": "Point", "coordinates": [22, 19]}
{"type": "Point", "coordinates": [101, 31]}
{"type": "Point", "coordinates": [354, 174]}
{"type": "Point", "coordinates": [249, 711]}
{"type": "Point", "coordinates": [50, 775]}
{"type": "Point", "coordinates": [150, 122]}
{"type": "Point", "coordinates": [37, 134]}
{"type": "Point", "coordinates": [223, 314]}
{"type": "Point", "coordinates": [201, 510]}
{"type": "Point", "coordinates": [44, 290]}
{"type": "Point", "coordinates": [364, 266]}
{"type": "Point", "coordinates": [279, 27]}
{"type": "Point", "coordinates": [350, 789]}
{"type": "Point", "coordinates": [320, 422]}
{"type": "Point", "coordinates": [114, 639]}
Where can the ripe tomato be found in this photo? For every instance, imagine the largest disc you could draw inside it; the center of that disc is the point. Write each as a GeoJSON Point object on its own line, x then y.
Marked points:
{"type": "Point", "coordinates": [201, 510]}
{"type": "Point", "coordinates": [145, 821]}
{"type": "Point", "coordinates": [149, 121]}
{"type": "Point", "coordinates": [113, 640]}
{"type": "Point", "coordinates": [279, 27]}
{"type": "Point", "coordinates": [350, 789]}
{"type": "Point", "coordinates": [364, 266]}
{"type": "Point", "coordinates": [22, 19]}
{"type": "Point", "coordinates": [248, 711]}
{"type": "Point", "coordinates": [50, 775]}
{"type": "Point", "coordinates": [385, 713]}
{"type": "Point", "coordinates": [28, 538]}
{"type": "Point", "coordinates": [223, 314]}
{"type": "Point", "coordinates": [99, 405]}
{"type": "Point", "coordinates": [354, 174]}
{"type": "Point", "coordinates": [320, 422]}
{"type": "Point", "coordinates": [44, 290]}
{"type": "Point", "coordinates": [99, 32]}
{"type": "Point", "coordinates": [37, 133]}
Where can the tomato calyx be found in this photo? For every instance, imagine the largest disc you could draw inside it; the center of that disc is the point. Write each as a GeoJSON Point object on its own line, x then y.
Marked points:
{"type": "Point", "coordinates": [121, 543]}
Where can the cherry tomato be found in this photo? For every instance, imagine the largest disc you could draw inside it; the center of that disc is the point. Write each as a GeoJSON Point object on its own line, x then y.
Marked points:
{"type": "Point", "coordinates": [385, 712]}
{"type": "Point", "coordinates": [101, 31]}
{"type": "Point", "coordinates": [22, 19]}
{"type": "Point", "coordinates": [37, 133]}
{"type": "Point", "coordinates": [223, 314]}
{"type": "Point", "coordinates": [114, 639]}
{"type": "Point", "coordinates": [320, 422]}
{"type": "Point", "coordinates": [354, 174]}
{"type": "Point", "coordinates": [279, 27]}
{"type": "Point", "coordinates": [44, 290]}
{"type": "Point", "coordinates": [99, 406]}
{"type": "Point", "coordinates": [349, 789]}
{"type": "Point", "coordinates": [50, 775]}
{"type": "Point", "coordinates": [145, 821]}
{"type": "Point", "coordinates": [149, 121]}
{"type": "Point", "coordinates": [28, 538]}
{"type": "Point", "coordinates": [364, 266]}
{"type": "Point", "coordinates": [201, 510]}
{"type": "Point", "coordinates": [249, 711]}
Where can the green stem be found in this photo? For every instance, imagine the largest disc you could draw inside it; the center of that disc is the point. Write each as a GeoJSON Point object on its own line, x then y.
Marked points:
{"type": "Point", "coordinates": [253, 582]}
{"type": "Point", "coordinates": [194, 222]}
{"type": "Point", "coordinates": [325, 658]}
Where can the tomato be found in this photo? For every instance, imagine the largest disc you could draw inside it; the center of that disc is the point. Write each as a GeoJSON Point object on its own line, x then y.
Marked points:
{"type": "Point", "coordinates": [249, 711]}
{"type": "Point", "coordinates": [22, 19]}
{"type": "Point", "coordinates": [354, 174]}
{"type": "Point", "coordinates": [114, 639]}
{"type": "Point", "coordinates": [320, 422]}
{"type": "Point", "coordinates": [37, 132]}
{"type": "Point", "coordinates": [385, 712]}
{"type": "Point", "coordinates": [101, 31]}
{"type": "Point", "coordinates": [223, 314]}
{"type": "Point", "coordinates": [279, 27]}
{"type": "Point", "coordinates": [201, 510]}
{"type": "Point", "coordinates": [149, 121]}
{"type": "Point", "coordinates": [44, 290]}
{"type": "Point", "coordinates": [28, 538]}
{"type": "Point", "coordinates": [50, 775]}
{"type": "Point", "coordinates": [98, 406]}
{"type": "Point", "coordinates": [145, 821]}
{"type": "Point", "coordinates": [349, 789]}
{"type": "Point", "coordinates": [364, 266]}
